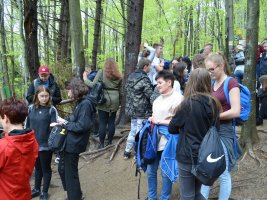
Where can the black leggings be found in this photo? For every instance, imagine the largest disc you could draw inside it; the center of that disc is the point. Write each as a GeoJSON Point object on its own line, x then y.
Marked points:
{"type": "Point", "coordinates": [106, 118]}
{"type": "Point", "coordinates": [43, 170]}
{"type": "Point", "coordinates": [68, 171]}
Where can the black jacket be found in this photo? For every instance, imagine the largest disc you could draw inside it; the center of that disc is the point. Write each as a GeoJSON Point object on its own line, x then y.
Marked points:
{"type": "Point", "coordinates": [53, 87]}
{"type": "Point", "coordinates": [139, 90]}
{"type": "Point", "coordinates": [192, 122]}
{"type": "Point", "coordinates": [78, 126]}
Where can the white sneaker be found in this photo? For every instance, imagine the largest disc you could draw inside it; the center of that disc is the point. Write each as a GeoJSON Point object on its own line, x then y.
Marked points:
{"type": "Point", "coordinates": [57, 160]}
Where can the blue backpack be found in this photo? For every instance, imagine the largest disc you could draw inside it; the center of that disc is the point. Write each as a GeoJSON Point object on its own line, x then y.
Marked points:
{"type": "Point", "coordinates": [146, 145]}
{"type": "Point", "coordinates": [244, 101]}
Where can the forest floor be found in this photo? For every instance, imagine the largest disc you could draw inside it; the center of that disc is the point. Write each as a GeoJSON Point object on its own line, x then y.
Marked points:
{"type": "Point", "coordinates": [102, 179]}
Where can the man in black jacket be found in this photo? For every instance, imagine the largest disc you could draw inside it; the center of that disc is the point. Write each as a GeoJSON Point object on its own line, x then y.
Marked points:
{"type": "Point", "coordinates": [47, 79]}
{"type": "Point", "coordinates": [139, 90]}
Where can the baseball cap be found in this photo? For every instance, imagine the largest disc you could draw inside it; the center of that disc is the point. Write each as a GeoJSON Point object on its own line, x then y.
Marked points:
{"type": "Point", "coordinates": [43, 70]}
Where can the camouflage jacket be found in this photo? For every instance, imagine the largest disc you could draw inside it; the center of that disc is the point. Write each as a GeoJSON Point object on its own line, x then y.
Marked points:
{"type": "Point", "coordinates": [138, 92]}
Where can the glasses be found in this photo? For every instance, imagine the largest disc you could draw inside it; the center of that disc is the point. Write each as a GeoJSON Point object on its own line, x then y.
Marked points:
{"type": "Point", "coordinates": [211, 69]}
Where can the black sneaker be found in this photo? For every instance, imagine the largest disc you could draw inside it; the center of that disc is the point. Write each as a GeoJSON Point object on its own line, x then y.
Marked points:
{"type": "Point", "coordinates": [44, 196]}
{"type": "Point", "coordinates": [35, 192]}
{"type": "Point", "coordinates": [100, 146]}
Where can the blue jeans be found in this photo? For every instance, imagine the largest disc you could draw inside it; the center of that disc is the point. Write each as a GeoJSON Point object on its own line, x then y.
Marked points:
{"type": "Point", "coordinates": [136, 125]}
{"type": "Point", "coordinates": [225, 182]}
{"type": "Point", "coordinates": [189, 185]}
{"type": "Point", "coordinates": [152, 182]}
{"type": "Point", "coordinates": [239, 75]}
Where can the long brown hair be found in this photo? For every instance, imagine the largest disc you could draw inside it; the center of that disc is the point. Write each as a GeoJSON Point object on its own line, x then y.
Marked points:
{"type": "Point", "coordinates": [199, 83]}
{"type": "Point", "coordinates": [111, 70]}
{"type": "Point", "coordinates": [40, 89]}
{"type": "Point", "coordinates": [219, 59]}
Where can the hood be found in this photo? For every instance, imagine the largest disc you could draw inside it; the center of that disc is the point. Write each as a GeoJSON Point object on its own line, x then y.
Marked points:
{"type": "Point", "coordinates": [23, 140]}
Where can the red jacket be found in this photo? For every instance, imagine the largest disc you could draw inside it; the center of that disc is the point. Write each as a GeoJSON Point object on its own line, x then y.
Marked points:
{"type": "Point", "coordinates": [17, 158]}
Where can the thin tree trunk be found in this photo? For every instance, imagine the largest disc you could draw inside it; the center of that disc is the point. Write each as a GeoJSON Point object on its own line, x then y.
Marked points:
{"type": "Point", "coordinates": [24, 58]}
{"type": "Point", "coordinates": [249, 133]}
{"type": "Point", "coordinates": [86, 35]}
{"type": "Point", "coordinates": [31, 30]}
{"type": "Point", "coordinates": [96, 32]}
{"type": "Point", "coordinates": [6, 82]}
{"type": "Point", "coordinates": [76, 38]}
{"type": "Point", "coordinates": [196, 31]}
{"type": "Point", "coordinates": [229, 39]}
{"type": "Point", "coordinates": [12, 50]}
{"type": "Point", "coordinates": [122, 3]}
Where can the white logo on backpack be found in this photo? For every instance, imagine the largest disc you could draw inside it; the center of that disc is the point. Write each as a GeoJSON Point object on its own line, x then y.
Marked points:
{"type": "Point", "coordinates": [212, 160]}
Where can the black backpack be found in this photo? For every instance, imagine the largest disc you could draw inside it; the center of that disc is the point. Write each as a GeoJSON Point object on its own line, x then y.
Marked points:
{"type": "Point", "coordinates": [97, 93]}
{"type": "Point", "coordinates": [211, 158]}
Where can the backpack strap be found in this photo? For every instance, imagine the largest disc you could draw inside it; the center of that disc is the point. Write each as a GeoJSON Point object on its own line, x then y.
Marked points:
{"type": "Point", "coordinates": [226, 92]}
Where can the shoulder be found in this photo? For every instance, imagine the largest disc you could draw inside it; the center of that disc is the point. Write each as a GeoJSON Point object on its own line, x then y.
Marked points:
{"type": "Point", "coordinates": [3, 144]}
{"type": "Point", "coordinates": [178, 96]}
{"type": "Point", "coordinates": [232, 83]}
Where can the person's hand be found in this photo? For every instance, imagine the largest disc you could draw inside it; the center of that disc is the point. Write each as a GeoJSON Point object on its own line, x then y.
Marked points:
{"type": "Point", "coordinates": [61, 120]}
{"type": "Point", "coordinates": [145, 45]}
{"type": "Point", "coordinates": [85, 74]}
{"type": "Point", "coordinates": [54, 124]}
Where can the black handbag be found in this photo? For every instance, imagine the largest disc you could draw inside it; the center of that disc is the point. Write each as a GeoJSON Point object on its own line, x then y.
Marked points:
{"type": "Point", "coordinates": [57, 138]}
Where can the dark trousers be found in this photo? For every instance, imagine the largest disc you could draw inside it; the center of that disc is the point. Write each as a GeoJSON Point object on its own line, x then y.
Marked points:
{"type": "Point", "coordinates": [189, 185]}
{"type": "Point", "coordinates": [43, 170]}
{"type": "Point", "coordinates": [106, 119]}
{"type": "Point", "coordinates": [261, 111]}
{"type": "Point", "coordinates": [68, 171]}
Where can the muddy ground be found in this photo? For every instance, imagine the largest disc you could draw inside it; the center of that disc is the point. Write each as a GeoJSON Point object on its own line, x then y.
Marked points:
{"type": "Point", "coordinates": [102, 179]}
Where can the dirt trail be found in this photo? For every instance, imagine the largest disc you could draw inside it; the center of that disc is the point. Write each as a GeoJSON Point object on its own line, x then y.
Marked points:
{"type": "Point", "coordinates": [115, 180]}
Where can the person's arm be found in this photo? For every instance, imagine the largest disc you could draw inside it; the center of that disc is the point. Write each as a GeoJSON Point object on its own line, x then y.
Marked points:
{"type": "Point", "coordinates": [30, 93]}
{"type": "Point", "coordinates": [152, 53]}
{"type": "Point", "coordinates": [234, 112]}
{"type": "Point", "coordinates": [241, 57]}
{"type": "Point", "coordinates": [148, 88]}
{"type": "Point", "coordinates": [177, 121]}
{"type": "Point", "coordinates": [84, 119]}
{"type": "Point", "coordinates": [96, 79]}
{"type": "Point", "coordinates": [56, 98]}
{"type": "Point", "coordinates": [53, 114]}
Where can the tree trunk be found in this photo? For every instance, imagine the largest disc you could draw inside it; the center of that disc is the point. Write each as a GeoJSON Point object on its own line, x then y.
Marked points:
{"type": "Point", "coordinates": [122, 3]}
{"type": "Point", "coordinates": [63, 36]}
{"type": "Point", "coordinates": [24, 57]}
{"type": "Point", "coordinates": [76, 38]}
{"type": "Point", "coordinates": [229, 39]}
{"type": "Point", "coordinates": [31, 28]}
{"type": "Point", "coordinates": [86, 36]}
{"type": "Point", "coordinates": [196, 31]}
{"type": "Point", "coordinates": [249, 133]}
{"type": "Point", "coordinates": [97, 29]}
{"type": "Point", "coordinates": [12, 50]}
{"type": "Point", "coordinates": [6, 82]}
{"type": "Point", "coordinates": [133, 40]}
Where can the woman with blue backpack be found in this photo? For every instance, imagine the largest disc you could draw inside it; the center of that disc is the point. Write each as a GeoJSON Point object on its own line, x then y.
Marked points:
{"type": "Point", "coordinates": [216, 64]}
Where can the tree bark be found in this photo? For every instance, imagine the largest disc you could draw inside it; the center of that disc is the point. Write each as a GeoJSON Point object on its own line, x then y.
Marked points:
{"type": "Point", "coordinates": [229, 27]}
{"type": "Point", "coordinates": [86, 36]}
{"type": "Point", "coordinates": [6, 83]}
{"type": "Point", "coordinates": [97, 29]}
{"type": "Point", "coordinates": [249, 133]}
{"type": "Point", "coordinates": [133, 40]}
{"type": "Point", "coordinates": [63, 36]}
{"type": "Point", "coordinates": [76, 38]}
{"type": "Point", "coordinates": [31, 28]}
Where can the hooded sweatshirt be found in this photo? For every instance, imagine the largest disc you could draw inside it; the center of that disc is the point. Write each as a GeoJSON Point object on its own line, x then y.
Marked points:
{"type": "Point", "coordinates": [192, 121]}
{"type": "Point", "coordinates": [18, 152]}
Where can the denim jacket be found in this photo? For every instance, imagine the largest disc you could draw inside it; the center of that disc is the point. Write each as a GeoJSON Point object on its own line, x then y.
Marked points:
{"type": "Point", "coordinates": [168, 163]}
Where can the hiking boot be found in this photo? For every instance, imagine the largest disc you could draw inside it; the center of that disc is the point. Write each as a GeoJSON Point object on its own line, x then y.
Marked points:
{"type": "Point", "coordinates": [109, 143]}
{"type": "Point", "coordinates": [126, 155]}
{"type": "Point", "coordinates": [35, 192]}
{"type": "Point", "coordinates": [100, 146]}
{"type": "Point", "coordinates": [259, 121]}
{"type": "Point", "coordinates": [44, 196]}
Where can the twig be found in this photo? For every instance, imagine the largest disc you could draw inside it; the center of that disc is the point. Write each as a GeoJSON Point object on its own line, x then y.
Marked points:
{"type": "Point", "coordinates": [117, 147]}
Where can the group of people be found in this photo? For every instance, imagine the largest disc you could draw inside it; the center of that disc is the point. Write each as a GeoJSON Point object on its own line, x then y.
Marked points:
{"type": "Point", "coordinates": [180, 97]}
{"type": "Point", "coordinates": [189, 111]}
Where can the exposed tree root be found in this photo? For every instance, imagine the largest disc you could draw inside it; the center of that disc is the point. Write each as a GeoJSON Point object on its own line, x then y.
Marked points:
{"type": "Point", "coordinates": [252, 155]}
{"type": "Point", "coordinates": [117, 147]}
{"type": "Point", "coordinates": [97, 151]}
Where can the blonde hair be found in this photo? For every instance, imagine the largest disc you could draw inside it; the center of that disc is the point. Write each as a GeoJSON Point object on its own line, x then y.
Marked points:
{"type": "Point", "coordinates": [219, 59]}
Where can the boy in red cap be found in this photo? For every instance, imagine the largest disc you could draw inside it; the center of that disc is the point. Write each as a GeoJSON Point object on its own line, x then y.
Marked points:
{"type": "Point", "coordinates": [47, 79]}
